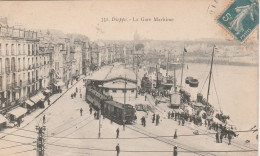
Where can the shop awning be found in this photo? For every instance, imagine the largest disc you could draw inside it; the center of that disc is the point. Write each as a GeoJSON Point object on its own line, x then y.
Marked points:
{"type": "Point", "coordinates": [47, 91]}
{"type": "Point", "coordinates": [60, 83]}
{"type": "Point", "coordinates": [178, 110]}
{"type": "Point", "coordinates": [18, 112]}
{"type": "Point", "coordinates": [28, 102]}
{"type": "Point", "coordinates": [2, 119]}
{"type": "Point", "coordinates": [41, 96]}
{"type": "Point", "coordinates": [35, 99]}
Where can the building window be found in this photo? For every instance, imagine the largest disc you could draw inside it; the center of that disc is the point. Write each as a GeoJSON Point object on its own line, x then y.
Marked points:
{"type": "Point", "coordinates": [32, 49]}
{"type": "Point", "coordinates": [7, 65]}
{"type": "Point", "coordinates": [19, 49]}
{"type": "Point", "coordinates": [24, 48]}
{"type": "Point", "coordinates": [19, 63]}
{"type": "Point", "coordinates": [36, 49]}
{"type": "Point", "coordinates": [13, 64]}
{"type": "Point", "coordinates": [29, 49]}
{"type": "Point", "coordinates": [114, 90]}
{"type": "Point", "coordinates": [1, 69]}
{"type": "Point", "coordinates": [132, 90]}
{"type": "Point", "coordinates": [29, 63]}
{"type": "Point", "coordinates": [29, 77]}
{"type": "Point", "coordinates": [12, 49]}
{"type": "Point", "coordinates": [6, 49]}
{"type": "Point", "coordinates": [1, 83]}
{"type": "Point", "coordinates": [23, 63]}
{"type": "Point", "coordinates": [106, 90]}
{"type": "Point", "coordinates": [124, 91]}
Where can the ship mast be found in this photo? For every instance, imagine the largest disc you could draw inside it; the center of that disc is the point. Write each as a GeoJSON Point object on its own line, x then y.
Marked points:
{"type": "Point", "coordinates": [210, 73]}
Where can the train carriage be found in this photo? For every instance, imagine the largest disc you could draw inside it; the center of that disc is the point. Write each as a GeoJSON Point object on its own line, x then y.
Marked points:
{"type": "Point", "coordinates": [110, 109]}
{"type": "Point", "coordinates": [115, 110]}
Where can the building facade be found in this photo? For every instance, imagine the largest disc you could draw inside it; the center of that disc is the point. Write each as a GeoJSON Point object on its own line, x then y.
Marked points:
{"type": "Point", "coordinates": [19, 65]}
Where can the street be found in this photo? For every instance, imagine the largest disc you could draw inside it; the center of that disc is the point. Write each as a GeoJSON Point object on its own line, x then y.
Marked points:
{"type": "Point", "coordinates": [69, 133]}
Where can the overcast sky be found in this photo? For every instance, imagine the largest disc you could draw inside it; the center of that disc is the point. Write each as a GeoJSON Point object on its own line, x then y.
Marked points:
{"type": "Point", "coordinates": [191, 19]}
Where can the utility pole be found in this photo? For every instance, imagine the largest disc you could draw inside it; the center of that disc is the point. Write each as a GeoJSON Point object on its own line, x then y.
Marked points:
{"type": "Point", "coordinates": [40, 140]}
{"type": "Point", "coordinates": [124, 105]}
{"type": "Point", "coordinates": [182, 66]}
{"type": "Point", "coordinates": [167, 66]}
{"type": "Point", "coordinates": [157, 80]}
{"type": "Point", "coordinates": [136, 80]}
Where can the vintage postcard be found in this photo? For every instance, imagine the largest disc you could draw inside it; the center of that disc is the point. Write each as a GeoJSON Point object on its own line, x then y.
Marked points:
{"type": "Point", "coordinates": [129, 78]}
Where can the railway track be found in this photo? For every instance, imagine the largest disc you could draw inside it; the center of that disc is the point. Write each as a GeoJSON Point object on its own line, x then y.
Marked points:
{"type": "Point", "coordinates": [168, 141]}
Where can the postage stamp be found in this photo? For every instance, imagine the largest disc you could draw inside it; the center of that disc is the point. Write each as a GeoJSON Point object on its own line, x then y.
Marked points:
{"type": "Point", "coordinates": [241, 18]}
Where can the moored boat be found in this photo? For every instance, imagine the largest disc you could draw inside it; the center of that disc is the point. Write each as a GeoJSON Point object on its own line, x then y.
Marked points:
{"type": "Point", "coordinates": [194, 83]}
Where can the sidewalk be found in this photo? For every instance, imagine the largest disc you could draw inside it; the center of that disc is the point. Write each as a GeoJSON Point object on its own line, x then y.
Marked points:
{"type": "Point", "coordinates": [29, 118]}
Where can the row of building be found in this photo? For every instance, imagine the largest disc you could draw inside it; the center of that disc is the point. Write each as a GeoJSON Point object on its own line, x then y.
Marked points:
{"type": "Point", "coordinates": [32, 61]}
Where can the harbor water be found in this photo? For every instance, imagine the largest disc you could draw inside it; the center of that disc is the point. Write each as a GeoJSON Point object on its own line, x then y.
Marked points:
{"type": "Point", "coordinates": [234, 90]}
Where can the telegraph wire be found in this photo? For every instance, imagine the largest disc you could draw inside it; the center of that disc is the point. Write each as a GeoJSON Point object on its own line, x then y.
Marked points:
{"type": "Point", "coordinates": [18, 135]}
{"type": "Point", "coordinates": [110, 150]}
{"type": "Point", "coordinates": [71, 126]}
{"type": "Point", "coordinates": [17, 142]}
{"type": "Point", "coordinates": [143, 137]}
{"type": "Point", "coordinates": [11, 146]}
{"type": "Point", "coordinates": [21, 152]}
{"type": "Point", "coordinates": [64, 124]}
{"type": "Point", "coordinates": [69, 122]}
{"type": "Point", "coordinates": [24, 130]}
{"type": "Point", "coordinates": [73, 131]}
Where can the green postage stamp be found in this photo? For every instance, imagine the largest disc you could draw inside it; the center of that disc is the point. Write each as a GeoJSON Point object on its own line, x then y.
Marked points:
{"type": "Point", "coordinates": [241, 18]}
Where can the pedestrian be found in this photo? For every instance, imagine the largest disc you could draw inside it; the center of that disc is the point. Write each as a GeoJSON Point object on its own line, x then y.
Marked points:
{"type": "Point", "coordinates": [217, 138]}
{"type": "Point", "coordinates": [75, 94]}
{"type": "Point", "coordinates": [175, 134]}
{"type": "Point", "coordinates": [90, 110]}
{"type": "Point", "coordinates": [153, 119]}
{"type": "Point", "coordinates": [145, 98]}
{"type": "Point", "coordinates": [95, 114]}
{"type": "Point", "coordinates": [175, 151]}
{"type": "Point", "coordinates": [172, 115]}
{"type": "Point", "coordinates": [157, 119]}
{"type": "Point", "coordinates": [98, 115]}
{"type": "Point", "coordinates": [144, 122]}
{"type": "Point", "coordinates": [76, 89]}
{"type": "Point", "coordinates": [117, 133]}
{"type": "Point", "coordinates": [43, 118]}
{"type": "Point", "coordinates": [229, 139]}
{"type": "Point", "coordinates": [49, 101]}
{"type": "Point", "coordinates": [117, 150]}
{"type": "Point", "coordinates": [183, 121]}
{"type": "Point", "coordinates": [221, 137]}
{"type": "Point", "coordinates": [81, 110]}
{"type": "Point", "coordinates": [135, 118]}
{"type": "Point", "coordinates": [169, 115]}
{"type": "Point", "coordinates": [72, 96]}
{"type": "Point", "coordinates": [18, 122]}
